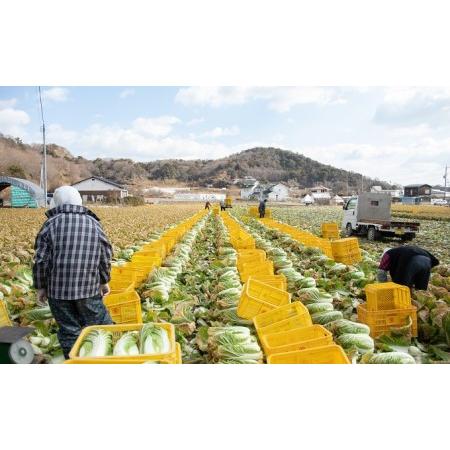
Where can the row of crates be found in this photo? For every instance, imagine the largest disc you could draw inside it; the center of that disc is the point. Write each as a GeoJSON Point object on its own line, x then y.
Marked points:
{"type": "Point", "coordinates": [239, 238]}
{"type": "Point", "coordinates": [285, 330]}
{"type": "Point", "coordinates": [345, 250]}
{"type": "Point", "coordinates": [123, 302]}
{"type": "Point", "coordinates": [172, 356]}
{"type": "Point", "coordinates": [387, 306]}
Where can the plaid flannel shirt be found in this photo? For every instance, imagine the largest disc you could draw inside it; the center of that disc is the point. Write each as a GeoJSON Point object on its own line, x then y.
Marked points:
{"type": "Point", "coordinates": [73, 255]}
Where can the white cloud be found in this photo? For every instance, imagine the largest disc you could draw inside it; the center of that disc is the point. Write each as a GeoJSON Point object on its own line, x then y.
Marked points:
{"type": "Point", "coordinates": [10, 103]}
{"type": "Point", "coordinates": [56, 94]}
{"type": "Point", "coordinates": [13, 122]}
{"type": "Point", "coordinates": [221, 132]}
{"type": "Point", "coordinates": [57, 134]}
{"type": "Point", "coordinates": [127, 93]}
{"type": "Point", "coordinates": [413, 106]}
{"type": "Point", "coordinates": [155, 126]}
{"type": "Point", "coordinates": [280, 99]}
{"type": "Point", "coordinates": [195, 121]}
{"type": "Point", "coordinates": [422, 161]}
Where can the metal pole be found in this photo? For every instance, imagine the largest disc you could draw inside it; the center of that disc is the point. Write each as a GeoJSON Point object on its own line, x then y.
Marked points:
{"type": "Point", "coordinates": [445, 183]}
{"type": "Point", "coordinates": [44, 151]}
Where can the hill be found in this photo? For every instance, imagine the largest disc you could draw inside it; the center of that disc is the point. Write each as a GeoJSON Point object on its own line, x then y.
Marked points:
{"type": "Point", "coordinates": [265, 164]}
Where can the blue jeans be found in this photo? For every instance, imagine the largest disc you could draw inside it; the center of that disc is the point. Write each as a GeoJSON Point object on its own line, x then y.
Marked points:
{"type": "Point", "coordinates": [73, 315]}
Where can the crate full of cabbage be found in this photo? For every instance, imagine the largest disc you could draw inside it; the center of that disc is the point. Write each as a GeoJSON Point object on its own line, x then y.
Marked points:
{"type": "Point", "coordinates": [133, 342]}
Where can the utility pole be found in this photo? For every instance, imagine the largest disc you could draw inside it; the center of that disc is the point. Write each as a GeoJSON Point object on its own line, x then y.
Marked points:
{"type": "Point", "coordinates": [44, 152]}
{"type": "Point", "coordinates": [445, 182]}
{"type": "Point", "coordinates": [362, 183]}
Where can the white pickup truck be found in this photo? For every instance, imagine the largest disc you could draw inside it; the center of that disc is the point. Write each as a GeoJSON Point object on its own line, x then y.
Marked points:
{"type": "Point", "coordinates": [369, 214]}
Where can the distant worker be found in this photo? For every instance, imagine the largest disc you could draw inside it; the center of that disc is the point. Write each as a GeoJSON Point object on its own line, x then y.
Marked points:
{"type": "Point", "coordinates": [408, 265]}
{"type": "Point", "coordinates": [72, 266]}
{"type": "Point", "coordinates": [222, 205]}
{"type": "Point", "coordinates": [207, 205]}
{"type": "Point", "coordinates": [262, 208]}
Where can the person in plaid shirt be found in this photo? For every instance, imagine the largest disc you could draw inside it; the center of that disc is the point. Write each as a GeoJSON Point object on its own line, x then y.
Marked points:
{"type": "Point", "coordinates": [72, 266]}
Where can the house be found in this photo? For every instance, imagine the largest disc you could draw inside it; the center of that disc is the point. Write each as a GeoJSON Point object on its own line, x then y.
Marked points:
{"type": "Point", "coordinates": [307, 200]}
{"type": "Point", "coordinates": [248, 186]}
{"type": "Point", "coordinates": [417, 190]}
{"type": "Point", "coordinates": [394, 193]}
{"type": "Point", "coordinates": [273, 192]}
{"type": "Point", "coordinates": [321, 195]}
{"type": "Point", "coordinates": [278, 193]}
{"type": "Point", "coordinates": [96, 189]}
{"type": "Point", "coordinates": [337, 200]}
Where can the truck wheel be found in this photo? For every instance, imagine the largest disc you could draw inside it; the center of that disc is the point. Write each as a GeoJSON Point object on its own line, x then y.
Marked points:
{"type": "Point", "coordinates": [408, 237]}
{"type": "Point", "coordinates": [372, 234]}
{"type": "Point", "coordinates": [348, 230]}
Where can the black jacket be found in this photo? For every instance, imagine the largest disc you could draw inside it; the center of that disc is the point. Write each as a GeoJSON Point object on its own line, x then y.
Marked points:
{"type": "Point", "coordinates": [400, 257]}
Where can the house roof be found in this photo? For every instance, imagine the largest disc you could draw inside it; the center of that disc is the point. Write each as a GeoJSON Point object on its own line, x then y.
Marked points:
{"type": "Point", "coordinates": [321, 195]}
{"type": "Point", "coordinates": [320, 187]}
{"type": "Point", "coordinates": [33, 189]}
{"type": "Point", "coordinates": [416, 185]}
{"type": "Point", "coordinates": [104, 180]}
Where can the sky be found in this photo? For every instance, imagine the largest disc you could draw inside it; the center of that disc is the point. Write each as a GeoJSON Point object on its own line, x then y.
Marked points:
{"type": "Point", "coordinates": [396, 134]}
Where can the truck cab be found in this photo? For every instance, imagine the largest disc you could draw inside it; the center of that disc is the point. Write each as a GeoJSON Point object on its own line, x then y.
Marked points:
{"type": "Point", "coordinates": [369, 214]}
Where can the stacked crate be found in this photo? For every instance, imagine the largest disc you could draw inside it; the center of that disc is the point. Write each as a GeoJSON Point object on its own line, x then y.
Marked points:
{"type": "Point", "coordinates": [346, 250]}
{"type": "Point", "coordinates": [388, 306]}
{"type": "Point", "coordinates": [330, 230]}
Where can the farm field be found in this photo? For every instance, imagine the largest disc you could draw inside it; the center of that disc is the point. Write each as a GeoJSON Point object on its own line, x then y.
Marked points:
{"type": "Point", "coordinates": [198, 287]}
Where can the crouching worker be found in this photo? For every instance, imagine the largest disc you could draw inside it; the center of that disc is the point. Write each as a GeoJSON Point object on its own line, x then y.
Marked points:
{"type": "Point", "coordinates": [408, 265]}
{"type": "Point", "coordinates": [72, 266]}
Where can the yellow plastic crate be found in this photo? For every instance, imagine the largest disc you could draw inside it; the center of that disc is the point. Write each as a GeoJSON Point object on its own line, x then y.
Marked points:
{"type": "Point", "coordinates": [122, 283]}
{"type": "Point", "coordinates": [329, 354]}
{"type": "Point", "coordinates": [176, 360]}
{"type": "Point", "coordinates": [381, 322]}
{"type": "Point", "coordinates": [169, 243]}
{"type": "Point", "coordinates": [252, 255]}
{"type": "Point", "coordinates": [124, 306]}
{"type": "Point", "coordinates": [278, 281]}
{"type": "Point", "coordinates": [129, 271]}
{"type": "Point", "coordinates": [258, 297]}
{"type": "Point", "coordinates": [157, 247]}
{"type": "Point", "coordinates": [249, 269]}
{"type": "Point", "coordinates": [117, 331]}
{"type": "Point", "coordinates": [5, 321]}
{"type": "Point", "coordinates": [146, 260]}
{"type": "Point", "coordinates": [346, 250]}
{"type": "Point", "coordinates": [247, 243]}
{"type": "Point", "coordinates": [330, 230]}
{"type": "Point", "coordinates": [284, 318]}
{"type": "Point", "coordinates": [296, 339]}
{"type": "Point", "coordinates": [153, 254]}
{"type": "Point", "coordinates": [385, 296]}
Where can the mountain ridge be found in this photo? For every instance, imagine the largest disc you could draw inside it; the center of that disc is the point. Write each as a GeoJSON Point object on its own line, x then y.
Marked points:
{"type": "Point", "coordinates": [267, 164]}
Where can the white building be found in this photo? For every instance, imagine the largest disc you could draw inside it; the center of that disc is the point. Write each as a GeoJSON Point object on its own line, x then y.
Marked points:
{"type": "Point", "coordinates": [337, 200]}
{"type": "Point", "coordinates": [96, 189]}
{"type": "Point", "coordinates": [199, 197]}
{"type": "Point", "coordinates": [307, 200]}
{"type": "Point", "coordinates": [278, 193]}
{"type": "Point", "coordinates": [248, 188]}
{"type": "Point", "coordinates": [321, 194]}
{"type": "Point", "coordinates": [393, 192]}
